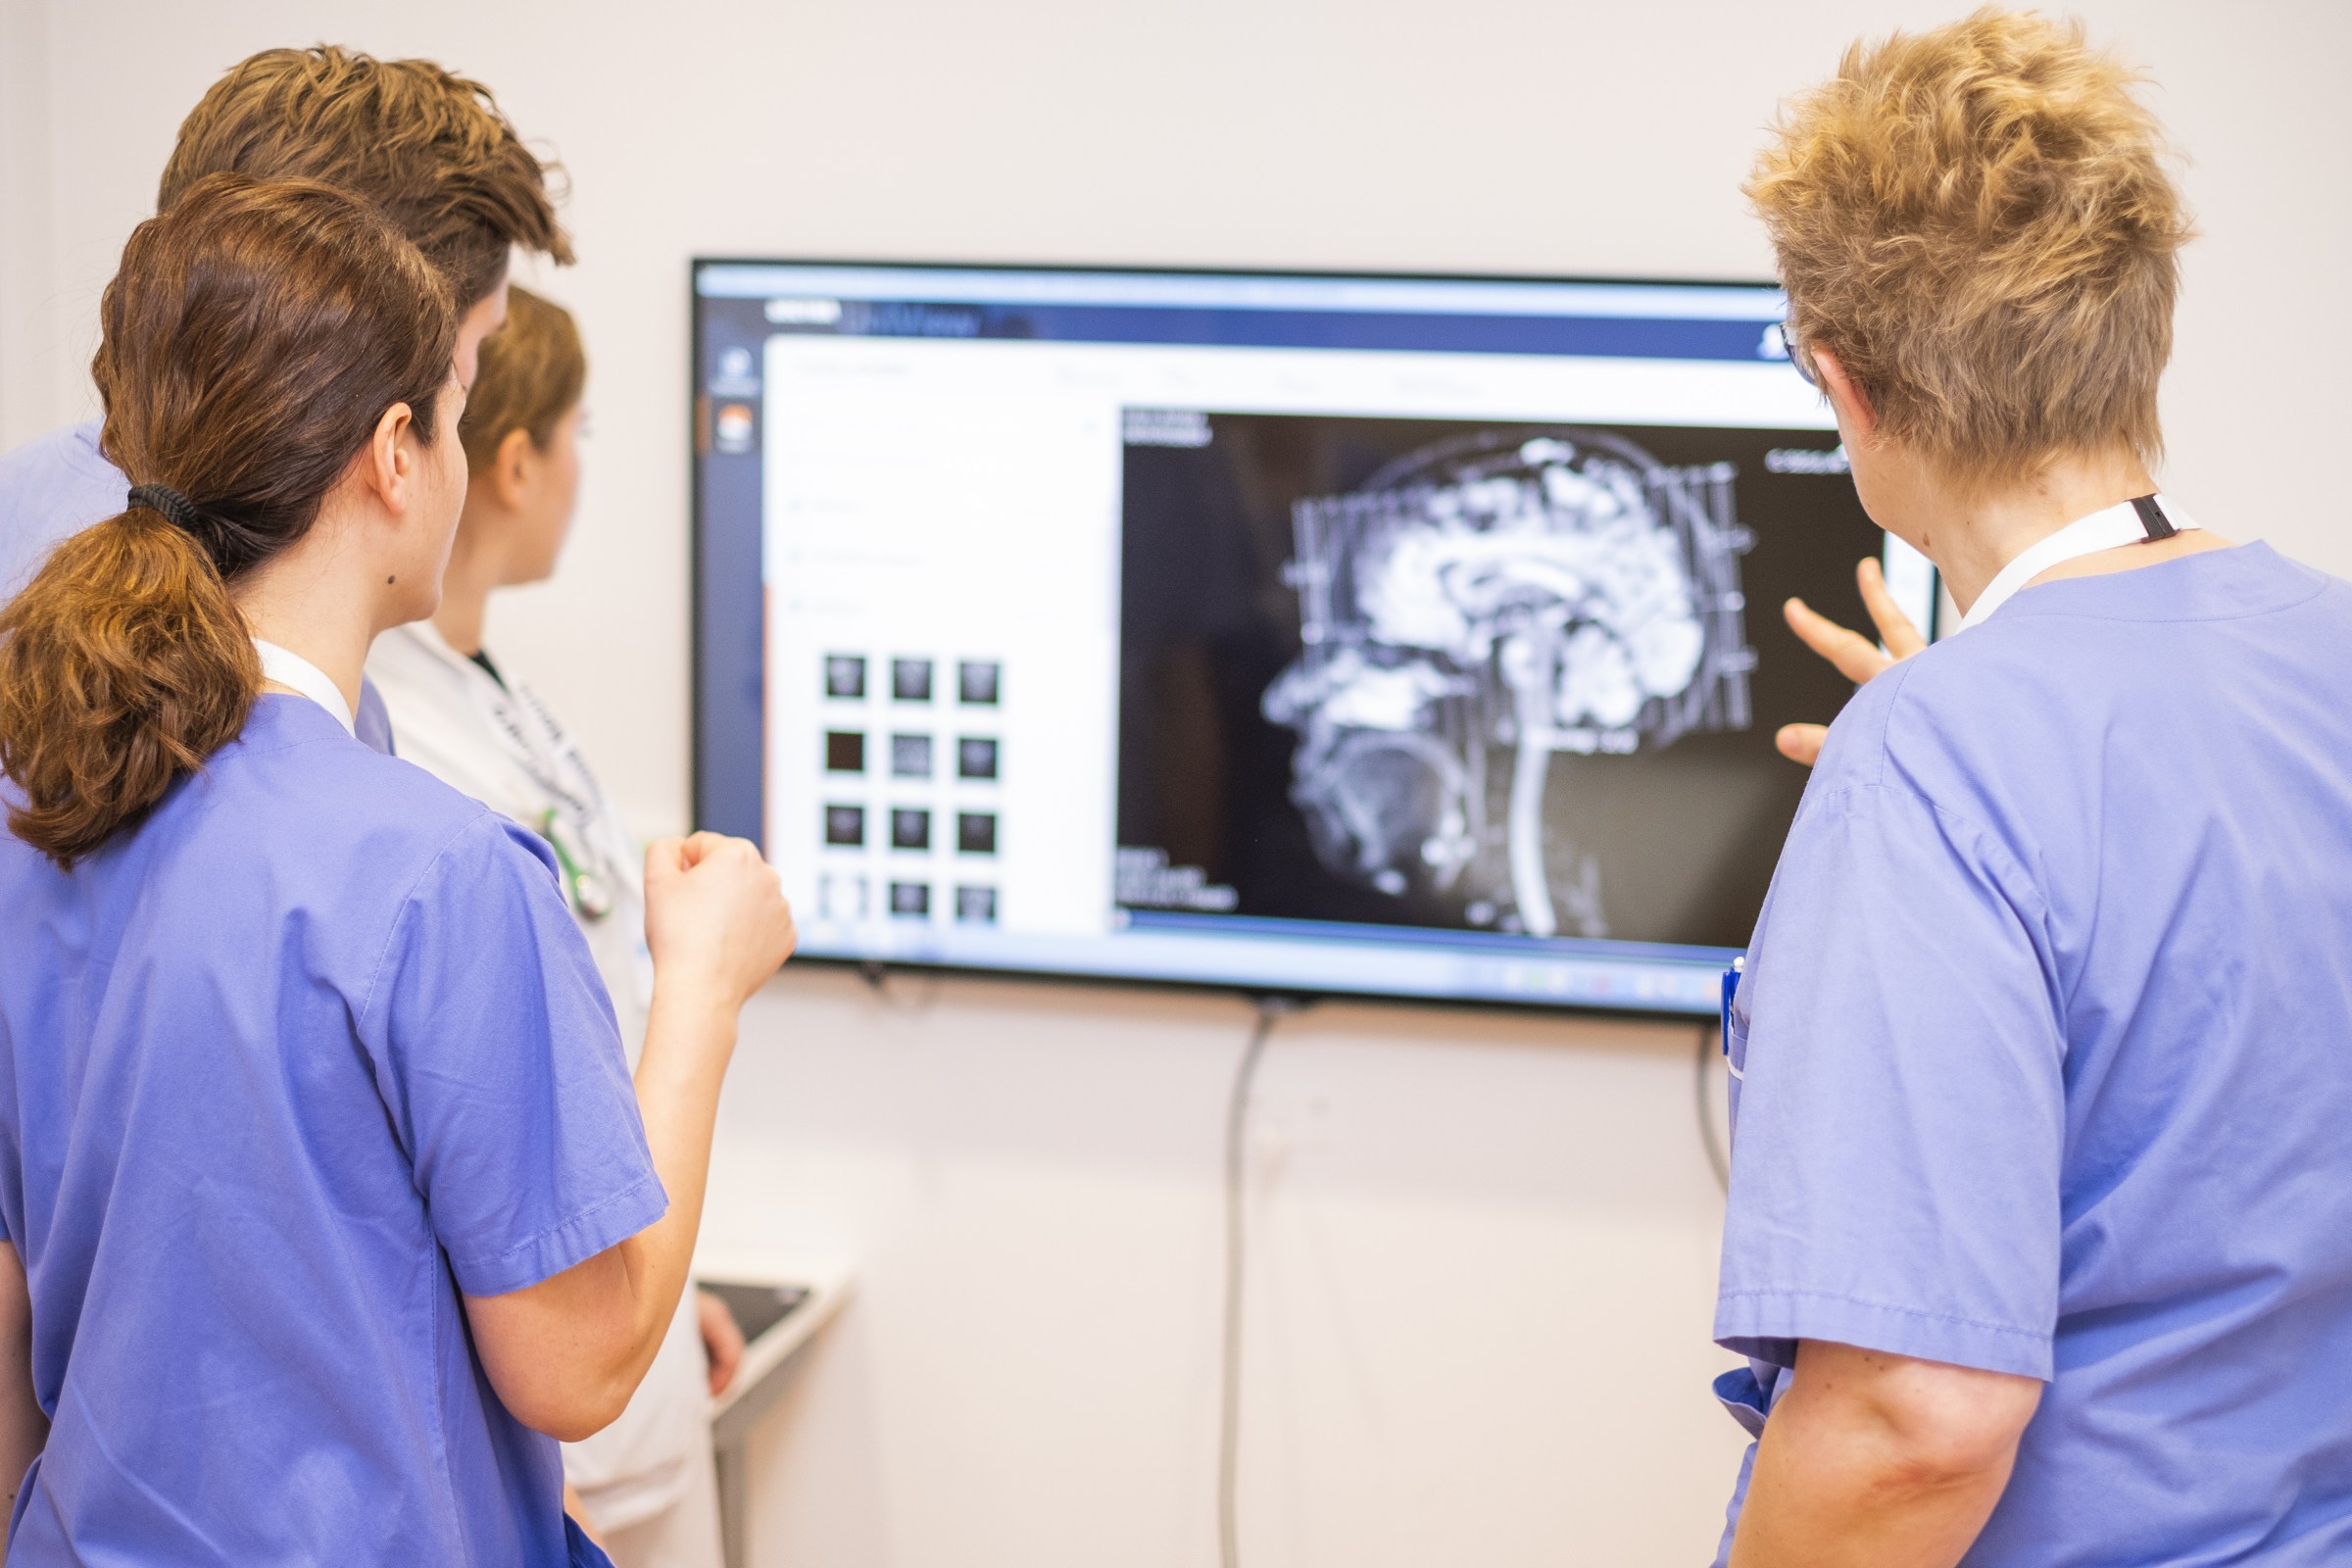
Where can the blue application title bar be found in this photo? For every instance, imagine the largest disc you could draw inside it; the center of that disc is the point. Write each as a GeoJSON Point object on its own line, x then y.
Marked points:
{"type": "Point", "coordinates": [1242, 292]}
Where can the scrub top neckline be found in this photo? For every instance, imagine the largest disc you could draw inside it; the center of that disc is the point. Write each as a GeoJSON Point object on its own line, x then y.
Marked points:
{"type": "Point", "coordinates": [2242, 579]}
{"type": "Point", "coordinates": [297, 674]}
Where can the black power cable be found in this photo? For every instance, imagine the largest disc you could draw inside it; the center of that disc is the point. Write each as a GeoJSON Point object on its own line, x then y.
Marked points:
{"type": "Point", "coordinates": [877, 975]}
{"type": "Point", "coordinates": [1229, 1409]}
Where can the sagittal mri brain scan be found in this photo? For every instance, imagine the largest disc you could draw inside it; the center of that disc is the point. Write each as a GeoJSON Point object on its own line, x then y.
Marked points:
{"type": "Point", "coordinates": [1492, 677]}
{"type": "Point", "coordinates": [1474, 610]}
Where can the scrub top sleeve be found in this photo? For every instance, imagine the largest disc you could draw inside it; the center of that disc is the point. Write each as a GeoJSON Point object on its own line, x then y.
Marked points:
{"type": "Point", "coordinates": [1901, 1111]}
{"type": "Point", "coordinates": [498, 1054]}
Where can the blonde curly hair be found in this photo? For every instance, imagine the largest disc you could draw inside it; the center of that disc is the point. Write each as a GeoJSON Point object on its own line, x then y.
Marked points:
{"type": "Point", "coordinates": [1978, 223]}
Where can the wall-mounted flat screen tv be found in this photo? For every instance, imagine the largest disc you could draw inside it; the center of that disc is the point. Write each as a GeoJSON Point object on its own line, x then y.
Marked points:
{"type": "Point", "coordinates": [1333, 634]}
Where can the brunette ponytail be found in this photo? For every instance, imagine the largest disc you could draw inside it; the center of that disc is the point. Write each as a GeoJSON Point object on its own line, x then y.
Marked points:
{"type": "Point", "coordinates": [254, 336]}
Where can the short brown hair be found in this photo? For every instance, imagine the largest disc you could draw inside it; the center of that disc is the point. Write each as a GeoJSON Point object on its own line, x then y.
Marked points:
{"type": "Point", "coordinates": [1978, 223]}
{"type": "Point", "coordinates": [533, 372]}
{"type": "Point", "coordinates": [255, 334]}
{"type": "Point", "coordinates": [431, 148]}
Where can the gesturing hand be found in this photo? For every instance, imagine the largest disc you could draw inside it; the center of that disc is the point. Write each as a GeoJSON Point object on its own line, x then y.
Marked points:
{"type": "Point", "coordinates": [715, 915]}
{"type": "Point", "coordinates": [1855, 656]}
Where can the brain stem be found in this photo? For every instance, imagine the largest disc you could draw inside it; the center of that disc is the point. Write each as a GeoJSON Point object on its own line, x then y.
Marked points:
{"type": "Point", "coordinates": [1527, 666]}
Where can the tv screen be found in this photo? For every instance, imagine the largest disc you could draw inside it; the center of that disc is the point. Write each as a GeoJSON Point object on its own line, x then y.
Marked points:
{"type": "Point", "coordinates": [1335, 634]}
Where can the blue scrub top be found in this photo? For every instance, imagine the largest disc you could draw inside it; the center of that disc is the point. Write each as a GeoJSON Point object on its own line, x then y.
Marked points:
{"type": "Point", "coordinates": [58, 484]}
{"type": "Point", "coordinates": [282, 1071]}
{"type": "Point", "coordinates": [2046, 1037]}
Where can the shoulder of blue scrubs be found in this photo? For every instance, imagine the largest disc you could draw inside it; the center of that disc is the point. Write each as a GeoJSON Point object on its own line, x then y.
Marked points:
{"type": "Point", "coordinates": [1857, 741]}
{"type": "Point", "coordinates": [1961, 724]}
{"type": "Point", "coordinates": [349, 799]}
{"type": "Point", "coordinates": [52, 486]}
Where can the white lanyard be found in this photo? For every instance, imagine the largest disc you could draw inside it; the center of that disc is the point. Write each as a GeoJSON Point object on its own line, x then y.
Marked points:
{"type": "Point", "coordinates": [289, 668]}
{"type": "Point", "coordinates": [2123, 523]}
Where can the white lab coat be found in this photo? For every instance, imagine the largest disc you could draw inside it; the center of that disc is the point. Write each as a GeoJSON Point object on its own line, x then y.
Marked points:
{"type": "Point", "coordinates": [500, 745]}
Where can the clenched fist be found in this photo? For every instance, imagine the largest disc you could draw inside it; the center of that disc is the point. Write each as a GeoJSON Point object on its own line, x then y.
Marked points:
{"type": "Point", "coordinates": [715, 916]}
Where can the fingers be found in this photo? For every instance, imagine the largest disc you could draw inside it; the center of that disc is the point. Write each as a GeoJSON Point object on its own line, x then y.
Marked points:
{"type": "Point", "coordinates": [1895, 630]}
{"type": "Point", "coordinates": [1801, 743]}
{"type": "Point", "coordinates": [702, 846]}
{"type": "Point", "coordinates": [722, 1342]}
{"type": "Point", "coordinates": [1854, 655]}
{"type": "Point", "coordinates": [724, 1364]}
{"type": "Point", "coordinates": [664, 857]}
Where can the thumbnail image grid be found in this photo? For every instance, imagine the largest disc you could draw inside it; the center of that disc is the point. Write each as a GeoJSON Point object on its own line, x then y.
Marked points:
{"type": "Point", "coordinates": [891, 721]}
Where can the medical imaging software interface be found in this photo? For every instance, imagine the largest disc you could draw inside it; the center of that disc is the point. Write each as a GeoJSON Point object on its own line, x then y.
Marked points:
{"type": "Point", "coordinates": [1344, 634]}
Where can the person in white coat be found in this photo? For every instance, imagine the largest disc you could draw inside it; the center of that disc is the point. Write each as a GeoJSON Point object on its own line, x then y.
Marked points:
{"type": "Point", "coordinates": [645, 1485]}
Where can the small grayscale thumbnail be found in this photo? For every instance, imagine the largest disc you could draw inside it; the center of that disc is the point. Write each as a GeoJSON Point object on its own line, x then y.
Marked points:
{"type": "Point", "coordinates": [911, 757]}
{"type": "Point", "coordinates": [910, 680]}
{"type": "Point", "coordinates": [845, 750]}
{"type": "Point", "coordinates": [911, 900]}
{"type": "Point", "coordinates": [910, 829]}
{"type": "Point", "coordinates": [845, 677]}
{"type": "Point", "coordinates": [840, 897]}
{"type": "Point", "coordinates": [976, 905]}
{"type": "Point", "coordinates": [977, 681]}
{"type": "Point", "coordinates": [976, 756]}
{"type": "Point", "coordinates": [976, 832]}
{"type": "Point", "coordinates": [845, 824]}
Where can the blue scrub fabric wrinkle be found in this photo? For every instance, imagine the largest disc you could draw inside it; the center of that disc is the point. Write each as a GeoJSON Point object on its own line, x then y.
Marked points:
{"type": "Point", "coordinates": [313, 1050]}
{"type": "Point", "coordinates": [61, 483]}
{"type": "Point", "coordinates": [2043, 1042]}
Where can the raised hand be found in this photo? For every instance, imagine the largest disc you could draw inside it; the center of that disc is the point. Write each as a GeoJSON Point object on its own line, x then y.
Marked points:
{"type": "Point", "coordinates": [715, 916]}
{"type": "Point", "coordinates": [1855, 656]}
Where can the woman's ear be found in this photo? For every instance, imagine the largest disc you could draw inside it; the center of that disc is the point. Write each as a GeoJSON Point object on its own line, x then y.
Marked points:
{"type": "Point", "coordinates": [1857, 421]}
{"type": "Point", "coordinates": [512, 468]}
{"type": "Point", "coordinates": [389, 464]}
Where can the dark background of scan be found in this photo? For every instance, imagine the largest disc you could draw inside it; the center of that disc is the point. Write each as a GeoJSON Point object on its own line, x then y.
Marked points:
{"type": "Point", "coordinates": [1685, 836]}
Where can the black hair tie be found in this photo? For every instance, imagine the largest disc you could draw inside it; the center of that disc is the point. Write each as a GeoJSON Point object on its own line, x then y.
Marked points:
{"type": "Point", "coordinates": [177, 510]}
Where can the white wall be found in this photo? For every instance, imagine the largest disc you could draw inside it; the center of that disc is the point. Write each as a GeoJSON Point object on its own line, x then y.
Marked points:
{"type": "Point", "coordinates": [1482, 1252]}
{"type": "Point", "coordinates": [1486, 1243]}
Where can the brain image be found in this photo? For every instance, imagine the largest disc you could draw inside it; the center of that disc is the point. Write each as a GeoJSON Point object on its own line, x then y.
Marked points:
{"type": "Point", "coordinates": [1527, 595]}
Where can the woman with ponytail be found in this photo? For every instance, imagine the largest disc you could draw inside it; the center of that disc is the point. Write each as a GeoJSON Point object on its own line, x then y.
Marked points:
{"type": "Point", "coordinates": [327, 1201]}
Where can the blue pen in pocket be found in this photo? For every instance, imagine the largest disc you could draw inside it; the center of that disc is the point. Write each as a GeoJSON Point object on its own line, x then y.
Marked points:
{"type": "Point", "coordinates": [1731, 989]}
